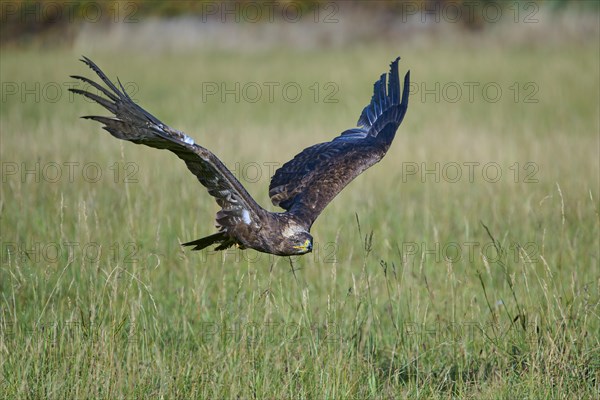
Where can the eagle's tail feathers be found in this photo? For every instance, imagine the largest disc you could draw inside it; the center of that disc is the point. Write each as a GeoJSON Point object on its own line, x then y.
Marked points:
{"type": "Point", "coordinates": [221, 237]}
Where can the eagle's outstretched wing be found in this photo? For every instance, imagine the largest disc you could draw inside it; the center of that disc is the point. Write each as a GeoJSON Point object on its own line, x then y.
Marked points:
{"type": "Point", "coordinates": [307, 183]}
{"type": "Point", "coordinates": [132, 123]}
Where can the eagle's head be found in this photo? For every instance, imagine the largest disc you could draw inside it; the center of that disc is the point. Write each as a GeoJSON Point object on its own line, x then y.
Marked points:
{"type": "Point", "coordinates": [302, 243]}
{"type": "Point", "coordinates": [296, 239]}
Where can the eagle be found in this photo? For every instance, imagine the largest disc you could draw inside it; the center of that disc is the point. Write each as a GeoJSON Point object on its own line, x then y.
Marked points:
{"type": "Point", "coordinates": [302, 186]}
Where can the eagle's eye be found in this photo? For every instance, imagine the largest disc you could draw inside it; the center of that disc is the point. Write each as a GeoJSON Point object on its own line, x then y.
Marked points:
{"type": "Point", "coordinates": [304, 247]}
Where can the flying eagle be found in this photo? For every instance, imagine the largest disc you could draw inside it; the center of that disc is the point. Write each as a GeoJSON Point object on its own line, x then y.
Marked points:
{"type": "Point", "coordinates": [303, 186]}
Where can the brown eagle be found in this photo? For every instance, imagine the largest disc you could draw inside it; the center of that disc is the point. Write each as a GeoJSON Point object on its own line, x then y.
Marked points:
{"type": "Point", "coordinates": [303, 186]}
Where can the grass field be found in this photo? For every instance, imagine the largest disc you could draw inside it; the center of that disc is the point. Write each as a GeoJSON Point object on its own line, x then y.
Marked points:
{"type": "Point", "coordinates": [465, 264]}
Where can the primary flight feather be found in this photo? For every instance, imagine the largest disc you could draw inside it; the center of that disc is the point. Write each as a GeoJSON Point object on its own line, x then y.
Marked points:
{"type": "Point", "coordinates": [303, 186]}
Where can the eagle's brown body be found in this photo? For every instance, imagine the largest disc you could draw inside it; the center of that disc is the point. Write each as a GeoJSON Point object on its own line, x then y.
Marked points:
{"type": "Point", "coordinates": [303, 186]}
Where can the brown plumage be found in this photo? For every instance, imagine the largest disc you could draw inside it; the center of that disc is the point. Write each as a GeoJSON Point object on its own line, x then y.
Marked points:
{"type": "Point", "coordinates": [303, 186]}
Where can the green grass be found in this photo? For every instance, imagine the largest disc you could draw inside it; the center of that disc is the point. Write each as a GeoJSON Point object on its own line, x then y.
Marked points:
{"type": "Point", "coordinates": [407, 293]}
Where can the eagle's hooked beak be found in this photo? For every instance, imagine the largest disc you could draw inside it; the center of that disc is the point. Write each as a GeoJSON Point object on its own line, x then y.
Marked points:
{"type": "Point", "coordinates": [306, 246]}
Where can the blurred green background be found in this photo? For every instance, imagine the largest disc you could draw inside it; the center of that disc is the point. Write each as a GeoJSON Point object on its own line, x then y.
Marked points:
{"type": "Point", "coordinates": [464, 264]}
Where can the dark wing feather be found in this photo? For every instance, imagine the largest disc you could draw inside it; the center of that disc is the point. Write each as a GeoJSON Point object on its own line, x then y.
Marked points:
{"type": "Point", "coordinates": [307, 183]}
{"type": "Point", "coordinates": [132, 123]}
{"type": "Point", "coordinates": [385, 108]}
